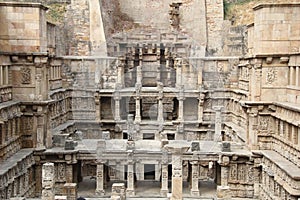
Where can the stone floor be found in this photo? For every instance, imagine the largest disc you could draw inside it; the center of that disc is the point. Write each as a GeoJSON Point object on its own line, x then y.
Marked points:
{"type": "Point", "coordinates": [145, 189]}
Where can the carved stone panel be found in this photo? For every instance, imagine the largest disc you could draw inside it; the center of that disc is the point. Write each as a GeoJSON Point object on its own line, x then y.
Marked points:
{"type": "Point", "coordinates": [26, 75]}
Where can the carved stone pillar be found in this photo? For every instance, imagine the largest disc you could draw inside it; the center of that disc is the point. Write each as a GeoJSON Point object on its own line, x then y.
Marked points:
{"type": "Point", "coordinates": [48, 181]}
{"type": "Point", "coordinates": [40, 131]}
{"type": "Point", "coordinates": [120, 76]}
{"type": "Point", "coordinates": [180, 106]}
{"type": "Point", "coordinates": [1, 75]}
{"type": "Point", "coordinates": [224, 175]}
{"type": "Point", "coordinates": [130, 179]}
{"type": "Point", "coordinates": [297, 76]}
{"type": "Point", "coordinates": [200, 73]}
{"type": "Point", "coordinates": [139, 75]}
{"type": "Point", "coordinates": [98, 107]}
{"type": "Point", "coordinates": [164, 180]}
{"type": "Point", "coordinates": [177, 151]}
{"type": "Point", "coordinates": [195, 178]}
{"type": "Point", "coordinates": [252, 128]}
{"type": "Point", "coordinates": [137, 109]}
{"type": "Point", "coordinates": [100, 180]}
{"type": "Point", "coordinates": [256, 178]}
{"type": "Point", "coordinates": [69, 173]}
{"type": "Point", "coordinates": [218, 124]}
{"type": "Point", "coordinates": [160, 117]}
{"type": "Point", "coordinates": [200, 107]}
{"type": "Point", "coordinates": [292, 73]}
{"type": "Point", "coordinates": [178, 66]}
{"type": "Point", "coordinates": [117, 99]}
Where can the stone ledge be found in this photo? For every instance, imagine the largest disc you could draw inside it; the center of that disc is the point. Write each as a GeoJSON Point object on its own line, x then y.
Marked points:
{"type": "Point", "coordinates": [288, 167]}
{"type": "Point", "coordinates": [23, 4]}
{"type": "Point", "coordinates": [270, 5]}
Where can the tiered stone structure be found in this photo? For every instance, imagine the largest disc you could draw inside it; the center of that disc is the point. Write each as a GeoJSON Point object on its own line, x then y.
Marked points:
{"type": "Point", "coordinates": [109, 114]}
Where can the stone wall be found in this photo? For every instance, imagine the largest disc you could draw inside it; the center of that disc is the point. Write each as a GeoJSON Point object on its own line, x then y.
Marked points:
{"type": "Point", "coordinates": [23, 27]}
{"type": "Point", "coordinates": [156, 14]}
{"type": "Point", "coordinates": [271, 36]}
{"type": "Point", "coordinates": [214, 20]}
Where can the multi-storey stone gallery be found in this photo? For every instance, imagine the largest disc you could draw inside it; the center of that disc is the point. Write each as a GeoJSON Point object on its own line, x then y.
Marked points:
{"type": "Point", "coordinates": [157, 99]}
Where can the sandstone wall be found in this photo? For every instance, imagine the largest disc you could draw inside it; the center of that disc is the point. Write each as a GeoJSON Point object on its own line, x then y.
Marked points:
{"type": "Point", "coordinates": [276, 29]}
{"type": "Point", "coordinates": [214, 18]}
{"type": "Point", "coordinates": [156, 14]}
{"type": "Point", "coordinates": [23, 28]}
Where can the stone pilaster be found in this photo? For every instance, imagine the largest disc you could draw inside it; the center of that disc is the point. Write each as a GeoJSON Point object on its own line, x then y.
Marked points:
{"type": "Point", "coordinates": [164, 180]}
{"type": "Point", "coordinates": [195, 178]}
{"type": "Point", "coordinates": [48, 181]}
{"type": "Point", "coordinates": [100, 180]}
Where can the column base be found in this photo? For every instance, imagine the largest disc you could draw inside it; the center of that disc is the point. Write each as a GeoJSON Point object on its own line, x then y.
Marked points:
{"type": "Point", "coordinates": [164, 193]}
{"type": "Point", "coordinates": [195, 193]}
{"type": "Point", "coordinates": [130, 193]}
{"type": "Point", "coordinates": [137, 119]}
{"type": "Point", "coordinates": [100, 192]}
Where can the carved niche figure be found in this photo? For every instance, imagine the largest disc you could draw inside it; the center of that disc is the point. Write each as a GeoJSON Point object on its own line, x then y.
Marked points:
{"type": "Point", "coordinates": [271, 76]}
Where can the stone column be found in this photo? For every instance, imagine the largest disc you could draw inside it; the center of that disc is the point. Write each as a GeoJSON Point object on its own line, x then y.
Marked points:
{"type": "Point", "coordinates": [164, 180]}
{"type": "Point", "coordinates": [69, 173]}
{"type": "Point", "coordinates": [1, 76]}
{"type": "Point", "coordinates": [292, 72]}
{"type": "Point", "coordinates": [195, 178]}
{"type": "Point", "coordinates": [120, 77]}
{"type": "Point", "coordinates": [98, 107]}
{"type": "Point", "coordinates": [200, 107]}
{"type": "Point", "coordinates": [48, 181]}
{"type": "Point", "coordinates": [139, 75]}
{"type": "Point", "coordinates": [224, 175]}
{"type": "Point", "coordinates": [218, 124]}
{"type": "Point", "coordinates": [200, 68]}
{"type": "Point", "coordinates": [178, 66]}
{"type": "Point", "coordinates": [160, 117]}
{"type": "Point", "coordinates": [137, 109]}
{"type": "Point", "coordinates": [177, 150]}
{"type": "Point", "coordinates": [6, 75]}
{"type": "Point", "coordinates": [252, 128]}
{"type": "Point", "coordinates": [223, 190]}
{"type": "Point", "coordinates": [130, 179]}
{"type": "Point", "coordinates": [180, 106]}
{"type": "Point", "coordinates": [297, 76]}
{"type": "Point", "coordinates": [117, 106]}
{"type": "Point", "coordinates": [100, 180]}
{"type": "Point", "coordinates": [40, 130]}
